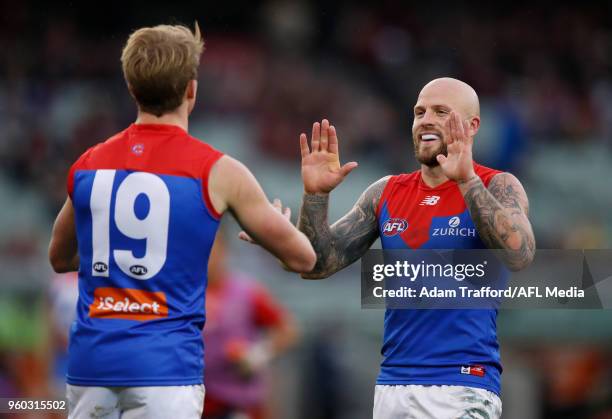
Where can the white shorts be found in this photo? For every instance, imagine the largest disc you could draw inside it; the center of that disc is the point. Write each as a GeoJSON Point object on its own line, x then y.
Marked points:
{"type": "Point", "coordinates": [135, 402]}
{"type": "Point", "coordinates": [435, 402]}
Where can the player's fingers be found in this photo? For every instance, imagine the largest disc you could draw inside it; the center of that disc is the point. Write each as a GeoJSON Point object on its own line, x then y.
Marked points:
{"type": "Point", "coordinates": [333, 140]}
{"type": "Point", "coordinates": [304, 150]}
{"type": "Point", "coordinates": [316, 135]}
{"type": "Point", "coordinates": [244, 236]}
{"type": "Point", "coordinates": [448, 125]}
{"type": "Point", "coordinates": [324, 135]}
{"type": "Point", "coordinates": [287, 213]}
{"type": "Point", "coordinates": [452, 129]}
{"type": "Point", "coordinates": [465, 124]}
{"type": "Point", "coordinates": [348, 168]}
{"type": "Point", "coordinates": [278, 205]}
{"type": "Point", "coordinates": [441, 159]}
{"type": "Point", "coordinates": [459, 129]}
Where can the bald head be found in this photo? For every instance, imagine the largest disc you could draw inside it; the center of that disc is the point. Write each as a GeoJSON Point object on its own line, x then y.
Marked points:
{"type": "Point", "coordinates": [436, 101]}
{"type": "Point", "coordinates": [458, 95]}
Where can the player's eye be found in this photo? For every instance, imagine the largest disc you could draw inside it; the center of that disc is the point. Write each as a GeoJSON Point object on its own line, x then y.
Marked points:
{"type": "Point", "coordinates": [442, 112]}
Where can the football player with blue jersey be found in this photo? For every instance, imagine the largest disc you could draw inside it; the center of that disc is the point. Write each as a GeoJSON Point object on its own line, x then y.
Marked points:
{"type": "Point", "coordinates": [138, 225]}
{"type": "Point", "coordinates": [441, 364]}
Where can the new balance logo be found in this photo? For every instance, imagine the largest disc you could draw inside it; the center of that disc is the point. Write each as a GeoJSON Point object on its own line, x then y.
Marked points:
{"type": "Point", "coordinates": [430, 200]}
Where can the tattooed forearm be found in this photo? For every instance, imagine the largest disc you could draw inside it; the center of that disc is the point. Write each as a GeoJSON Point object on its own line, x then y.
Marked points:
{"type": "Point", "coordinates": [500, 214]}
{"type": "Point", "coordinates": [347, 240]}
{"type": "Point", "coordinates": [312, 221]}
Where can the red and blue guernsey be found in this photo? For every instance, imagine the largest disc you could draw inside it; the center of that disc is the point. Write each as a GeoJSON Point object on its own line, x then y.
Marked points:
{"type": "Point", "coordinates": [435, 347]}
{"type": "Point", "coordinates": [145, 227]}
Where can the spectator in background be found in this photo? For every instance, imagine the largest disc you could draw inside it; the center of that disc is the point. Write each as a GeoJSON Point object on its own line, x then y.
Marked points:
{"type": "Point", "coordinates": [246, 327]}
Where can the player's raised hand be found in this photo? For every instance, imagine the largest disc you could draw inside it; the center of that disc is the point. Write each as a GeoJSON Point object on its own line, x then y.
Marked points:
{"type": "Point", "coordinates": [278, 206]}
{"type": "Point", "coordinates": [321, 169]}
{"type": "Point", "coordinates": [458, 164]}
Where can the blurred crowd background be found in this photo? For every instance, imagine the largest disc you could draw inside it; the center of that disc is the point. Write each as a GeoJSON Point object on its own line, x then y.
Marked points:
{"type": "Point", "coordinates": [544, 75]}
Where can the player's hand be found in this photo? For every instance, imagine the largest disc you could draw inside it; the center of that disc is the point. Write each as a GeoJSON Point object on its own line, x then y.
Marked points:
{"type": "Point", "coordinates": [248, 358]}
{"type": "Point", "coordinates": [278, 206]}
{"type": "Point", "coordinates": [321, 170]}
{"type": "Point", "coordinates": [458, 164]}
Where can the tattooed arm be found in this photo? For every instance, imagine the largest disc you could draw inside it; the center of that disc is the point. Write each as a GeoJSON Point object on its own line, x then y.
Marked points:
{"type": "Point", "coordinates": [348, 238]}
{"type": "Point", "coordinates": [501, 217]}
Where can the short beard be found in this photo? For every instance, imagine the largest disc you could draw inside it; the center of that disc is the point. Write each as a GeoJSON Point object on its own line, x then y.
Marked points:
{"type": "Point", "coordinates": [430, 160]}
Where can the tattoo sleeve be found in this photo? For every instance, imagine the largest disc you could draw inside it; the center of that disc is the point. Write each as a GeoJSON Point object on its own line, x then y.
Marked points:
{"type": "Point", "coordinates": [344, 242]}
{"type": "Point", "coordinates": [500, 214]}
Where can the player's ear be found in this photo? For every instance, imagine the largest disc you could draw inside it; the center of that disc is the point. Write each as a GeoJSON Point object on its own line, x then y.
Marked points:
{"type": "Point", "coordinates": [474, 125]}
{"type": "Point", "coordinates": [192, 89]}
{"type": "Point", "coordinates": [190, 94]}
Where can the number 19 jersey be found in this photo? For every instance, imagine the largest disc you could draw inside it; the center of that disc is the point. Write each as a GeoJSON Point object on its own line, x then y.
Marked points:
{"type": "Point", "coordinates": [145, 226]}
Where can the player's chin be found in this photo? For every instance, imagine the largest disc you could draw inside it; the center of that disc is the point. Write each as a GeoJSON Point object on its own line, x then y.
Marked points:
{"type": "Point", "coordinates": [428, 159]}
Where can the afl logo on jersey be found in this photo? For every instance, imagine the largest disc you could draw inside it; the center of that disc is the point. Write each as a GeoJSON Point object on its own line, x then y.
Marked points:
{"type": "Point", "coordinates": [100, 267]}
{"type": "Point", "coordinates": [454, 222]}
{"type": "Point", "coordinates": [138, 270]}
{"type": "Point", "coordinates": [394, 226]}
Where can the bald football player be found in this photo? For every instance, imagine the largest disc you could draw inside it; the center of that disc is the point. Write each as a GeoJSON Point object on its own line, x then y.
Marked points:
{"type": "Point", "coordinates": [437, 363]}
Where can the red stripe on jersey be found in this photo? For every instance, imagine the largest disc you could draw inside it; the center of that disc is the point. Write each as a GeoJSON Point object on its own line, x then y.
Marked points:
{"type": "Point", "coordinates": [408, 197]}
{"type": "Point", "coordinates": [155, 148]}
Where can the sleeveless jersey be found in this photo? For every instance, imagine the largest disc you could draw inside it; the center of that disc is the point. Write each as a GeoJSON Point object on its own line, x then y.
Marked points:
{"type": "Point", "coordinates": [145, 226]}
{"type": "Point", "coordinates": [435, 347]}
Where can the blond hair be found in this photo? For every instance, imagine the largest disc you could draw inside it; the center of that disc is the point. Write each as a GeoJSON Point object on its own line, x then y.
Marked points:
{"type": "Point", "coordinates": [158, 63]}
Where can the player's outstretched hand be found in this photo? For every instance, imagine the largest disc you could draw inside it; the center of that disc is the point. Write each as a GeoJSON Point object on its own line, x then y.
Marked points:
{"type": "Point", "coordinates": [278, 206]}
{"type": "Point", "coordinates": [458, 164]}
{"type": "Point", "coordinates": [321, 169]}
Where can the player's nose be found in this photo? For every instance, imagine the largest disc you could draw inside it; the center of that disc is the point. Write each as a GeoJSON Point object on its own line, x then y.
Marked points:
{"type": "Point", "coordinates": [427, 118]}
{"type": "Point", "coordinates": [425, 124]}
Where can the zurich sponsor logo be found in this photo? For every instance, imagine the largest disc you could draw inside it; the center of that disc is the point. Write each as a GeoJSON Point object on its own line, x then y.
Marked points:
{"type": "Point", "coordinates": [394, 226]}
{"type": "Point", "coordinates": [454, 229]}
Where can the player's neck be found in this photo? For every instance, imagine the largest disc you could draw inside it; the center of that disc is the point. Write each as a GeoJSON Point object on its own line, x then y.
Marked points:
{"type": "Point", "coordinates": [432, 176]}
{"type": "Point", "coordinates": [174, 118]}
